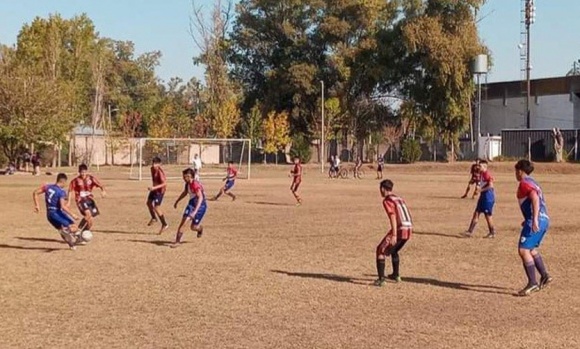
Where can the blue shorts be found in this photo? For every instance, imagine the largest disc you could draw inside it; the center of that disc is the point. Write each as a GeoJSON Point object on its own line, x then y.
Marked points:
{"type": "Point", "coordinates": [485, 207]}
{"type": "Point", "coordinates": [155, 197]}
{"type": "Point", "coordinates": [529, 239]}
{"type": "Point", "coordinates": [200, 213]}
{"type": "Point", "coordinates": [229, 184]}
{"type": "Point", "coordinates": [59, 219]}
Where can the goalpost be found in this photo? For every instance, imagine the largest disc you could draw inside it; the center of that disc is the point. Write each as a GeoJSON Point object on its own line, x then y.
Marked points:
{"type": "Point", "coordinates": [178, 153]}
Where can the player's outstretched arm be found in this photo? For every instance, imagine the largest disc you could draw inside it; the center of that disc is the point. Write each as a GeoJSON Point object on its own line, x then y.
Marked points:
{"type": "Point", "coordinates": [100, 186]}
{"type": "Point", "coordinates": [181, 196]}
{"type": "Point", "coordinates": [35, 195]}
{"type": "Point", "coordinates": [70, 191]}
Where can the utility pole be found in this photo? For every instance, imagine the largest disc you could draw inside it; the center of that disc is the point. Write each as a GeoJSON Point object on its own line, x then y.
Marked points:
{"type": "Point", "coordinates": [322, 157]}
{"type": "Point", "coordinates": [530, 19]}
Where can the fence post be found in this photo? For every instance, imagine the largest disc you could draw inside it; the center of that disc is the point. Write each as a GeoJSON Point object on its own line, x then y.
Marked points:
{"type": "Point", "coordinates": [576, 146]}
{"type": "Point", "coordinates": [530, 149]}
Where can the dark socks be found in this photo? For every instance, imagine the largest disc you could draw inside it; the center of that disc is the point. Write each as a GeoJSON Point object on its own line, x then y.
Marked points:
{"type": "Point", "coordinates": [472, 227]}
{"type": "Point", "coordinates": [162, 219]}
{"type": "Point", "coordinates": [83, 224]}
{"type": "Point", "coordinates": [492, 230]}
{"type": "Point", "coordinates": [178, 237]}
{"type": "Point", "coordinates": [381, 268]}
{"type": "Point", "coordinates": [539, 263]}
{"type": "Point", "coordinates": [395, 262]}
{"type": "Point", "coordinates": [152, 214]}
{"type": "Point", "coordinates": [530, 269]}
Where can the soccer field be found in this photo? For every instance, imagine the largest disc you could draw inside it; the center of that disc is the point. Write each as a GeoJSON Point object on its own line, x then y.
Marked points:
{"type": "Point", "coordinates": [267, 274]}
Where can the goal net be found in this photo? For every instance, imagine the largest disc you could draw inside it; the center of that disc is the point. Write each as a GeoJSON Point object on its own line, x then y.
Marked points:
{"type": "Point", "coordinates": [178, 154]}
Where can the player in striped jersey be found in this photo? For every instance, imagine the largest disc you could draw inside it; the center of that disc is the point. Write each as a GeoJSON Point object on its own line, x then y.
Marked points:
{"type": "Point", "coordinates": [230, 180]}
{"type": "Point", "coordinates": [156, 193]}
{"type": "Point", "coordinates": [400, 232]}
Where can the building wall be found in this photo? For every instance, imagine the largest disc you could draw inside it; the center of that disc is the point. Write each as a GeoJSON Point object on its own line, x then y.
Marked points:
{"type": "Point", "coordinates": [546, 112]}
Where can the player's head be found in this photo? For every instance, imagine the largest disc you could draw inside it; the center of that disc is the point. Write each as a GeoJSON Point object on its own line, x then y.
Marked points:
{"type": "Point", "coordinates": [230, 164]}
{"type": "Point", "coordinates": [386, 187]}
{"type": "Point", "coordinates": [156, 161]}
{"type": "Point", "coordinates": [477, 161]}
{"type": "Point", "coordinates": [188, 174]}
{"type": "Point", "coordinates": [296, 160]}
{"type": "Point", "coordinates": [61, 180]}
{"type": "Point", "coordinates": [523, 168]}
{"type": "Point", "coordinates": [483, 165]}
{"type": "Point", "coordinates": [83, 169]}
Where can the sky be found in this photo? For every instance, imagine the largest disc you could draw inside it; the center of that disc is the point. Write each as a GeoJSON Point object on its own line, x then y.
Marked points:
{"type": "Point", "coordinates": [164, 25]}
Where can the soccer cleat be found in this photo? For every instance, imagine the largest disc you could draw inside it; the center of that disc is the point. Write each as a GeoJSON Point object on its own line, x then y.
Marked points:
{"type": "Point", "coordinates": [394, 278]}
{"type": "Point", "coordinates": [489, 236]}
{"type": "Point", "coordinates": [467, 234]}
{"type": "Point", "coordinates": [175, 245]}
{"type": "Point", "coordinates": [81, 242]}
{"type": "Point", "coordinates": [464, 196]}
{"type": "Point", "coordinates": [151, 222]}
{"type": "Point", "coordinates": [199, 234]}
{"type": "Point", "coordinates": [545, 281]}
{"type": "Point", "coordinates": [528, 290]}
{"type": "Point", "coordinates": [380, 282]}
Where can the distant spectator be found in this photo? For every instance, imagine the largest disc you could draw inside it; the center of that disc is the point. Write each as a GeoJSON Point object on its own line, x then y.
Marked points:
{"type": "Point", "coordinates": [558, 144]}
{"type": "Point", "coordinates": [196, 166]}
{"type": "Point", "coordinates": [35, 161]}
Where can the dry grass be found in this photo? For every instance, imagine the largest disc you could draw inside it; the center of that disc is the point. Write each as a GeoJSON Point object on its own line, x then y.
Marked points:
{"type": "Point", "coordinates": [270, 275]}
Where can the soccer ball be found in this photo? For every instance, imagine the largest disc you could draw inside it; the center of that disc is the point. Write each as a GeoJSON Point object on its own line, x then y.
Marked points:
{"type": "Point", "coordinates": [86, 235]}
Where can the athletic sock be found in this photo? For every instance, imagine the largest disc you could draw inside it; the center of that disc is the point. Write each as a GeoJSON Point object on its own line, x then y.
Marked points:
{"type": "Point", "coordinates": [492, 230]}
{"type": "Point", "coordinates": [395, 262]}
{"type": "Point", "coordinates": [178, 237]}
{"type": "Point", "coordinates": [539, 263]}
{"type": "Point", "coordinates": [83, 224]}
{"type": "Point", "coordinates": [472, 227]}
{"type": "Point", "coordinates": [162, 219]}
{"type": "Point", "coordinates": [530, 268]}
{"type": "Point", "coordinates": [381, 268]}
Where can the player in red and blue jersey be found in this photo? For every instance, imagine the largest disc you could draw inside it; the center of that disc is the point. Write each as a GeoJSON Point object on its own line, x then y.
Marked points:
{"type": "Point", "coordinates": [57, 211]}
{"type": "Point", "coordinates": [196, 206]}
{"type": "Point", "coordinates": [156, 193]}
{"type": "Point", "coordinates": [230, 180]}
{"type": "Point", "coordinates": [475, 179]}
{"type": "Point", "coordinates": [401, 230]}
{"type": "Point", "coordinates": [534, 227]}
{"type": "Point", "coordinates": [485, 202]}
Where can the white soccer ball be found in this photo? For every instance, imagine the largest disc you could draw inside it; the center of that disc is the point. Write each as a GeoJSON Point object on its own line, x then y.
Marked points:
{"type": "Point", "coordinates": [86, 235]}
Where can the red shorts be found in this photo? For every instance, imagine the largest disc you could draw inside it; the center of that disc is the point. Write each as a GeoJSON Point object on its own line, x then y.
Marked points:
{"type": "Point", "coordinates": [385, 245]}
{"type": "Point", "coordinates": [295, 185]}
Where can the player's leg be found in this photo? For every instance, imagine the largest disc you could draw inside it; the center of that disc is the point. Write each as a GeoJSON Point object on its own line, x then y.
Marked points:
{"type": "Point", "coordinates": [380, 259]}
{"type": "Point", "coordinates": [529, 241]}
{"type": "Point", "coordinates": [490, 226]}
{"type": "Point", "coordinates": [196, 221]}
{"type": "Point", "coordinates": [467, 190]}
{"type": "Point", "coordinates": [473, 223]}
{"type": "Point", "coordinates": [537, 238]}
{"type": "Point", "coordinates": [394, 251]}
{"type": "Point", "coordinates": [475, 190]}
{"type": "Point", "coordinates": [294, 188]}
{"type": "Point", "coordinates": [179, 235]}
{"type": "Point", "coordinates": [220, 193]}
{"type": "Point", "coordinates": [63, 224]}
{"type": "Point", "coordinates": [151, 208]}
{"type": "Point", "coordinates": [156, 203]}
{"type": "Point", "coordinates": [227, 189]}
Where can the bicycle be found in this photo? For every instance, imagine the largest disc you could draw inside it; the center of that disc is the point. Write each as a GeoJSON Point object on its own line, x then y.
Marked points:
{"type": "Point", "coordinates": [345, 173]}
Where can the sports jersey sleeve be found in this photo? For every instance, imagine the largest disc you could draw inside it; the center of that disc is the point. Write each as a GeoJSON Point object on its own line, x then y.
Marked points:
{"type": "Point", "coordinates": [96, 182]}
{"type": "Point", "coordinates": [525, 189]}
{"type": "Point", "coordinates": [389, 207]}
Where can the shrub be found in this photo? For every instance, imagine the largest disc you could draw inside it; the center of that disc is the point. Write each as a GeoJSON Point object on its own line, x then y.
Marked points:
{"type": "Point", "coordinates": [410, 150]}
{"type": "Point", "coordinates": [301, 148]}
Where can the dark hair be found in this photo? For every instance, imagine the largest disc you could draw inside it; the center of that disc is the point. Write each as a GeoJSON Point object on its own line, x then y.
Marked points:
{"type": "Point", "coordinates": [482, 161]}
{"type": "Point", "coordinates": [83, 167]}
{"type": "Point", "coordinates": [387, 184]}
{"type": "Point", "coordinates": [61, 177]}
{"type": "Point", "coordinates": [230, 162]}
{"type": "Point", "coordinates": [189, 171]}
{"type": "Point", "coordinates": [156, 160]}
{"type": "Point", "coordinates": [526, 166]}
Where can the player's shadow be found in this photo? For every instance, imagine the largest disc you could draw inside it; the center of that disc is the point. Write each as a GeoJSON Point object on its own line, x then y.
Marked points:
{"type": "Point", "coordinates": [326, 276]}
{"type": "Point", "coordinates": [429, 233]}
{"type": "Point", "coordinates": [42, 249]}
{"type": "Point", "coordinates": [270, 203]}
{"type": "Point", "coordinates": [154, 242]}
{"type": "Point", "coordinates": [123, 232]}
{"type": "Point", "coordinates": [41, 240]}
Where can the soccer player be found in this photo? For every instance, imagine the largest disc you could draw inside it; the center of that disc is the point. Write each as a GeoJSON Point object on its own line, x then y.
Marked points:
{"type": "Point", "coordinates": [156, 193]}
{"type": "Point", "coordinates": [485, 202]}
{"type": "Point", "coordinates": [473, 180]}
{"type": "Point", "coordinates": [83, 186]}
{"type": "Point", "coordinates": [397, 237]}
{"type": "Point", "coordinates": [534, 227]}
{"type": "Point", "coordinates": [57, 211]}
{"type": "Point", "coordinates": [380, 165]}
{"type": "Point", "coordinates": [296, 174]}
{"type": "Point", "coordinates": [230, 179]}
{"type": "Point", "coordinates": [195, 209]}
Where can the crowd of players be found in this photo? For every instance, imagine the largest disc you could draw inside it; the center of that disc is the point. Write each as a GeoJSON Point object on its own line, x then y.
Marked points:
{"type": "Point", "coordinates": [529, 194]}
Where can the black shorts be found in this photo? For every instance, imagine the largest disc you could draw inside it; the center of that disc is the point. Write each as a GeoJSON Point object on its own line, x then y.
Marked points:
{"type": "Point", "coordinates": [380, 168]}
{"type": "Point", "coordinates": [155, 197]}
{"type": "Point", "coordinates": [88, 204]}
